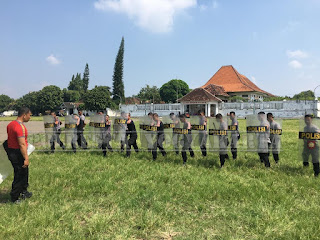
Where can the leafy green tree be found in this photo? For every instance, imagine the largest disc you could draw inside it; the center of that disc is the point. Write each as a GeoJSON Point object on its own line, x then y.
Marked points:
{"type": "Point", "coordinates": [76, 83]}
{"type": "Point", "coordinates": [85, 79]}
{"type": "Point", "coordinates": [118, 86]}
{"type": "Point", "coordinates": [99, 98]}
{"type": "Point", "coordinates": [173, 90]}
{"type": "Point", "coordinates": [150, 94]}
{"type": "Point", "coordinates": [5, 102]}
{"type": "Point", "coordinates": [50, 98]}
{"type": "Point", "coordinates": [304, 95]}
{"type": "Point", "coordinates": [29, 100]}
{"type": "Point", "coordinates": [71, 95]}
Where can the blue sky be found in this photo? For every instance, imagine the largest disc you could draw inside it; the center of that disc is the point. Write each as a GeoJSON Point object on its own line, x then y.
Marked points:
{"type": "Point", "coordinates": [274, 43]}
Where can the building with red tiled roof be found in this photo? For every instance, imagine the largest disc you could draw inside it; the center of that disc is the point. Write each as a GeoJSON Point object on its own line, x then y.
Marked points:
{"type": "Point", "coordinates": [223, 85]}
{"type": "Point", "coordinates": [236, 84]}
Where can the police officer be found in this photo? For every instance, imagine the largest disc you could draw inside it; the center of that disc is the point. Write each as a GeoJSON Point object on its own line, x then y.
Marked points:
{"type": "Point", "coordinates": [175, 136]}
{"type": "Point", "coordinates": [159, 137]}
{"type": "Point", "coordinates": [274, 144]}
{"type": "Point", "coordinates": [203, 135]}
{"type": "Point", "coordinates": [311, 147]}
{"type": "Point", "coordinates": [223, 139]}
{"type": "Point", "coordinates": [80, 128]}
{"type": "Point", "coordinates": [149, 134]}
{"type": "Point", "coordinates": [132, 134]}
{"type": "Point", "coordinates": [235, 135]}
{"type": "Point", "coordinates": [186, 139]}
{"type": "Point", "coordinates": [74, 135]}
{"type": "Point", "coordinates": [264, 140]}
{"type": "Point", "coordinates": [106, 137]}
{"type": "Point", "coordinates": [56, 133]}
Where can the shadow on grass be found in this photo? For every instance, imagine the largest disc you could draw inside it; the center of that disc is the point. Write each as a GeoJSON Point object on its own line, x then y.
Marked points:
{"type": "Point", "coordinates": [4, 196]}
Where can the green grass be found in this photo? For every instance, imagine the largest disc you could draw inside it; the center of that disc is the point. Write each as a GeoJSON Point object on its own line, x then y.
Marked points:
{"type": "Point", "coordinates": [86, 196]}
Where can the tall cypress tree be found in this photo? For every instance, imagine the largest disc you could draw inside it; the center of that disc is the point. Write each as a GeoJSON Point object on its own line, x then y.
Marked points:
{"type": "Point", "coordinates": [118, 86]}
{"type": "Point", "coordinates": [85, 78]}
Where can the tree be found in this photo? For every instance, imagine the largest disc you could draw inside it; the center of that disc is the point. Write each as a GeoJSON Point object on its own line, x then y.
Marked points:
{"type": "Point", "coordinates": [5, 102]}
{"type": "Point", "coordinates": [150, 94]}
{"type": "Point", "coordinates": [71, 95]}
{"type": "Point", "coordinates": [118, 86]}
{"type": "Point", "coordinates": [76, 83]}
{"type": "Point", "coordinates": [173, 90]}
{"type": "Point", "coordinates": [29, 100]}
{"type": "Point", "coordinates": [99, 98]}
{"type": "Point", "coordinates": [50, 98]}
{"type": "Point", "coordinates": [304, 95]}
{"type": "Point", "coordinates": [85, 79]}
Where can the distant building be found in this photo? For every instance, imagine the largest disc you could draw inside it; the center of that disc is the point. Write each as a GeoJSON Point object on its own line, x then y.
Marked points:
{"type": "Point", "coordinates": [70, 107]}
{"type": "Point", "coordinates": [223, 85]}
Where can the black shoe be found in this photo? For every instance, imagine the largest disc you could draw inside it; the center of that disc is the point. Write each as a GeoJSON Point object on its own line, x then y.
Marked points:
{"type": "Point", "coordinates": [63, 147]}
{"type": "Point", "coordinates": [26, 194]}
{"type": "Point", "coordinates": [306, 164]}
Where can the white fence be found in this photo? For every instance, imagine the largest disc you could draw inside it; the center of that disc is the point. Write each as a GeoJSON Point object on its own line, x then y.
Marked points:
{"type": "Point", "coordinates": [281, 109]}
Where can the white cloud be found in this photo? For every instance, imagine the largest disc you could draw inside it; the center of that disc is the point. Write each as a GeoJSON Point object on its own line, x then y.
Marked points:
{"type": "Point", "coordinates": [53, 60]}
{"type": "Point", "coordinates": [153, 15]}
{"type": "Point", "coordinates": [295, 64]}
{"type": "Point", "coordinates": [298, 54]}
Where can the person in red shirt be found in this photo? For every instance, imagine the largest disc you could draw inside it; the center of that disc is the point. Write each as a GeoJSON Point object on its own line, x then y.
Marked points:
{"type": "Point", "coordinates": [17, 145]}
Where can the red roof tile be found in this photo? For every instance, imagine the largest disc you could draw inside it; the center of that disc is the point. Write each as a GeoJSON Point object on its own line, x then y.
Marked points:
{"type": "Point", "coordinates": [216, 90]}
{"type": "Point", "coordinates": [199, 95]}
{"type": "Point", "coordinates": [232, 81]}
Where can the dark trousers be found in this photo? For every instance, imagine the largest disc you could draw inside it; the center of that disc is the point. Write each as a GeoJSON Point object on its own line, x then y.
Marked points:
{"type": "Point", "coordinates": [186, 141]}
{"type": "Point", "coordinates": [264, 158]}
{"type": "Point", "coordinates": [132, 142]}
{"type": "Point", "coordinates": [158, 144]}
{"type": "Point", "coordinates": [234, 152]}
{"type": "Point", "coordinates": [21, 175]}
{"type": "Point", "coordinates": [203, 143]}
{"type": "Point", "coordinates": [82, 142]}
{"type": "Point", "coordinates": [56, 138]}
{"type": "Point", "coordinates": [223, 158]}
{"type": "Point", "coordinates": [106, 144]}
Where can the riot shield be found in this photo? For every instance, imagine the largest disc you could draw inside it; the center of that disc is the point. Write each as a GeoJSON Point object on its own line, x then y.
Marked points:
{"type": "Point", "coordinates": [99, 128]}
{"type": "Point", "coordinates": [148, 132]}
{"type": "Point", "coordinates": [168, 126]}
{"type": "Point", "coordinates": [275, 136]}
{"type": "Point", "coordinates": [70, 130]}
{"type": "Point", "coordinates": [91, 128]}
{"type": "Point", "coordinates": [233, 132]}
{"type": "Point", "coordinates": [119, 128]}
{"type": "Point", "coordinates": [5, 165]}
{"type": "Point", "coordinates": [258, 133]}
{"type": "Point", "coordinates": [218, 135]}
{"type": "Point", "coordinates": [175, 137]}
{"type": "Point", "coordinates": [309, 137]}
{"type": "Point", "coordinates": [199, 131]}
{"type": "Point", "coordinates": [48, 121]}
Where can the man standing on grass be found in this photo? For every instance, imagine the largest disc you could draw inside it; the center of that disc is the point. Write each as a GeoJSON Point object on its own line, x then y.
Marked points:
{"type": "Point", "coordinates": [235, 135]}
{"type": "Point", "coordinates": [159, 137]}
{"type": "Point", "coordinates": [186, 138]}
{"type": "Point", "coordinates": [275, 131]}
{"type": "Point", "coordinates": [56, 133]}
{"type": "Point", "coordinates": [132, 134]}
{"type": "Point", "coordinates": [264, 139]}
{"type": "Point", "coordinates": [311, 145]}
{"type": "Point", "coordinates": [223, 139]}
{"type": "Point", "coordinates": [16, 147]}
{"type": "Point", "coordinates": [80, 128]}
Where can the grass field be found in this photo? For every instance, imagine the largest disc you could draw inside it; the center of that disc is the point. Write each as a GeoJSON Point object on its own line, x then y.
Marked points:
{"type": "Point", "coordinates": [86, 196]}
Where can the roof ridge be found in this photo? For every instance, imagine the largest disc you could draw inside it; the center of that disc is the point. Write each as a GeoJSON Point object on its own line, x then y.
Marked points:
{"type": "Point", "coordinates": [240, 78]}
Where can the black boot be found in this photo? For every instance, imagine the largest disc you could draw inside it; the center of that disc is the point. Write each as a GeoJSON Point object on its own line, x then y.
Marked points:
{"type": "Point", "coordinates": [276, 157]}
{"type": "Point", "coordinates": [222, 159]}
{"type": "Point", "coordinates": [316, 169]}
{"type": "Point", "coordinates": [266, 160]}
{"type": "Point", "coordinates": [234, 153]}
{"type": "Point", "coordinates": [306, 164]}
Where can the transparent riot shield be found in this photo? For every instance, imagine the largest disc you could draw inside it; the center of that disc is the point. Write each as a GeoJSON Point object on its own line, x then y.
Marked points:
{"type": "Point", "coordinates": [309, 137]}
{"type": "Point", "coordinates": [92, 134]}
{"type": "Point", "coordinates": [119, 128]}
{"type": "Point", "coordinates": [99, 128]}
{"type": "Point", "coordinates": [258, 133]}
{"type": "Point", "coordinates": [71, 130]}
{"type": "Point", "coordinates": [233, 132]}
{"type": "Point", "coordinates": [148, 132]}
{"type": "Point", "coordinates": [5, 165]}
{"type": "Point", "coordinates": [218, 135]}
{"type": "Point", "coordinates": [168, 128]}
{"type": "Point", "coordinates": [199, 131]}
{"type": "Point", "coordinates": [48, 121]}
{"type": "Point", "coordinates": [175, 137]}
{"type": "Point", "coordinates": [275, 136]}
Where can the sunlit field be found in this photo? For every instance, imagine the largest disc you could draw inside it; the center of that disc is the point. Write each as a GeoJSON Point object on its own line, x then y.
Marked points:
{"type": "Point", "coordinates": [87, 196]}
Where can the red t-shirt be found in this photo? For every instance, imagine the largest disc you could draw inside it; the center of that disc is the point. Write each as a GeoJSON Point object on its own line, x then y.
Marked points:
{"type": "Point", "coordinates": [16, 130]}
